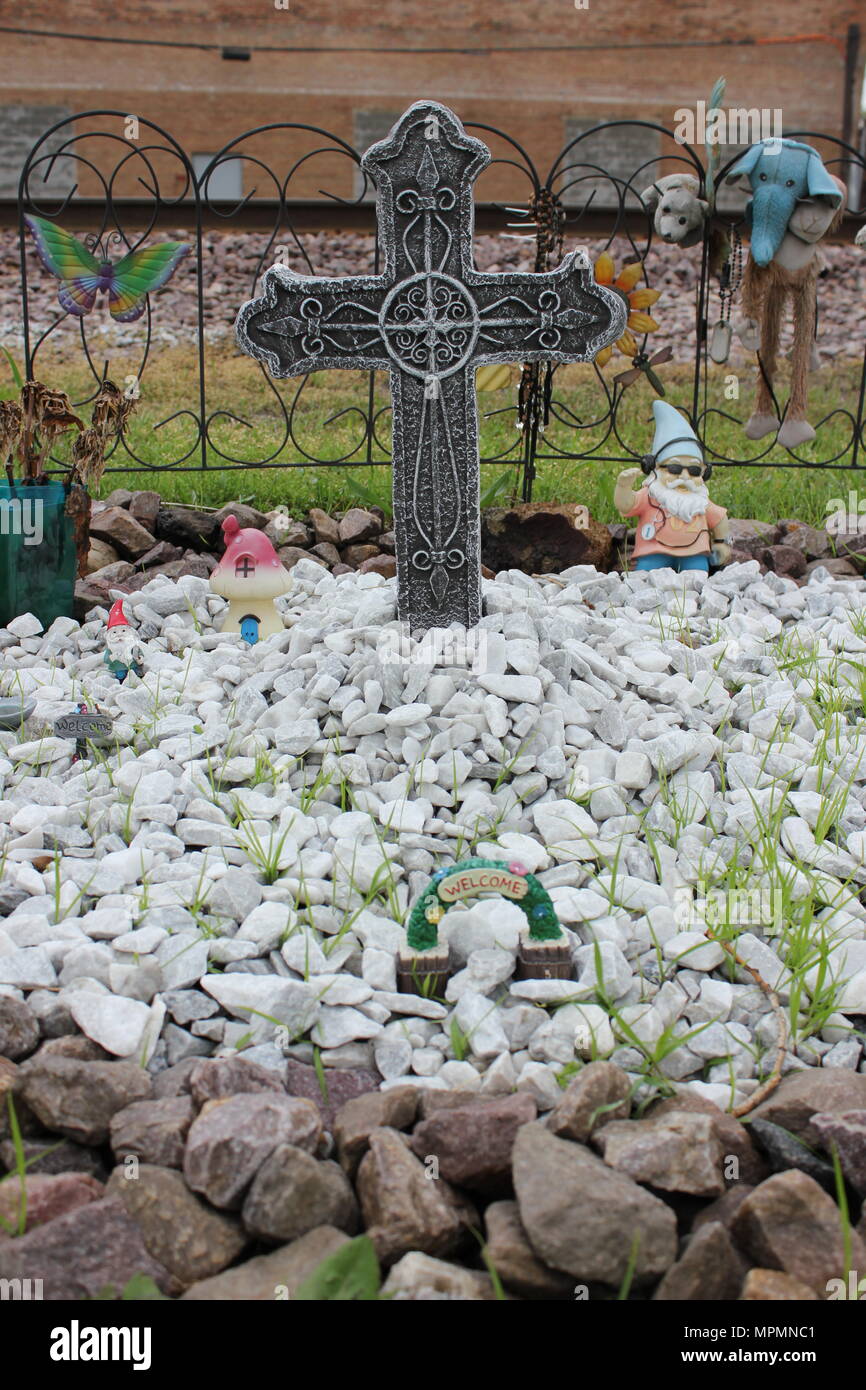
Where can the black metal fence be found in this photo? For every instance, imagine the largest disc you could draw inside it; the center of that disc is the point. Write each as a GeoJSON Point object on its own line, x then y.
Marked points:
{"type": "Point", "coordinates": [91, 157]}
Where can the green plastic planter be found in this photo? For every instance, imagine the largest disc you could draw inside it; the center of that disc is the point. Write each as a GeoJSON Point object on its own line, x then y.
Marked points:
{"type": "Point", "coordinates": [37, 579]}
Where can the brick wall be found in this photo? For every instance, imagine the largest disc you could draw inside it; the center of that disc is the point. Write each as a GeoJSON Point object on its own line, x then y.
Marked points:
{"type": "Point", "coordinates": [539, 97]}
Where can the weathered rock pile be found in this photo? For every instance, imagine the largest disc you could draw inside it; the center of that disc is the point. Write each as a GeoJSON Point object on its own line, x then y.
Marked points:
{"type": "Point", "coordinates": [224, 1180]}
{"type": "Point", "coordinates": [135, 536]}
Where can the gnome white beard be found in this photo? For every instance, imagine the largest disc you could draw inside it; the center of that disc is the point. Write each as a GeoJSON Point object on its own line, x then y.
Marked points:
{"type": "Point", "coordinates": [683, 503]}
{"type": "Point", "coordinates": [122, 645]}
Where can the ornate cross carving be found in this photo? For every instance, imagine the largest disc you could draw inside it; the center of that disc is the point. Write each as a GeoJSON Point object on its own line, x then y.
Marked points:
{"type": "Point", "coordinates": [430, 318]}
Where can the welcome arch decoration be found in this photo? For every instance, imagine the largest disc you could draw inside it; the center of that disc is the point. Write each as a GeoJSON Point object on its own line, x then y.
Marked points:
{"type": "Point", "coordinates": [467, 879]}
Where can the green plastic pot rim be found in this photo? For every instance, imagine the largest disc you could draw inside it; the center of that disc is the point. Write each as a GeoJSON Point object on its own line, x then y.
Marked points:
{"type": "Point", "coordinates": [45, 492]}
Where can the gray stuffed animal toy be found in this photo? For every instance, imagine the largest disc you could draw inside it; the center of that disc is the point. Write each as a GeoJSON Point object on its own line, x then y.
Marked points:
{"type": "Point", "coordinates": [678, 212]}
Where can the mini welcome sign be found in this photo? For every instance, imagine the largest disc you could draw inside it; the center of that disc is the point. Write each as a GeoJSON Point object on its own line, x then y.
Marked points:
{"type": "Point", "coordinates": [94, 727]}
{"type": "Point", "coordinates": [85, 726]}
{"type": "Point", "coordinates": [544, 954]}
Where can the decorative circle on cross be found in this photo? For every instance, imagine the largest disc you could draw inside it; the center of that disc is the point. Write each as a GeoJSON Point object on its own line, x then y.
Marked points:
{"type": "Point", "coordinates": [430, 325]}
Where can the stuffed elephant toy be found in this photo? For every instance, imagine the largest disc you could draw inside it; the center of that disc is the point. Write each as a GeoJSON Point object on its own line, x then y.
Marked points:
{"type": "Point", "coordinates": [794, 202]}
{"type": "Point", "coordinates": [780, 174]}
{"type": "Point", "coordinates": [678, 213]}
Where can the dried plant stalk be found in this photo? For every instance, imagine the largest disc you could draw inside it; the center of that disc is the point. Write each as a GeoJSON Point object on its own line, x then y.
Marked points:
{"type": "Point", "coordinates": [56, 417]}
{"type": "Point", "coordinates": [103, 416]}
{"type": "Point", "coordinates": [31, 405]}
{"type": "Point", "coordinates": [88, 457]}
{"type": "Point", "coordinates": [11, 423]}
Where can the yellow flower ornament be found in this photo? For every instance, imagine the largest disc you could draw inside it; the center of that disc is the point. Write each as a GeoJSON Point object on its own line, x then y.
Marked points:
{"type": "Point", "coordinates": [636, 300]}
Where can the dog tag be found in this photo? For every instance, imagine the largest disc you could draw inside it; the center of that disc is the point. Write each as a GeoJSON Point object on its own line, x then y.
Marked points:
{"type": "Point", "coordinates": [648, 531]}
{"type": "Point", "coordinates": [720, 342]}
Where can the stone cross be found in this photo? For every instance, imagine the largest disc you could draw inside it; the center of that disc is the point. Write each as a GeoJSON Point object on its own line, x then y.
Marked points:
{"type": "Point", "coordinates": [430, 318]}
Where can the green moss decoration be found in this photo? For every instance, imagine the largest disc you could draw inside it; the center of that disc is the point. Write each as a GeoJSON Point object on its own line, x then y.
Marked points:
{"type": "Point", "coordinates": [422, 928]}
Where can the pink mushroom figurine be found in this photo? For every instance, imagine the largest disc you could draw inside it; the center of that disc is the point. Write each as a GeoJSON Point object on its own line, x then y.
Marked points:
{"type": "Point", "coordinates": [250, 575]}
{"type": "Point", "coordinates": [122, 650]}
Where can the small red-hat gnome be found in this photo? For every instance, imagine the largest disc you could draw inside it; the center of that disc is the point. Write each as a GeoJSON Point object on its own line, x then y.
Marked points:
{"type": "Point", "coordinates": [117, 617]}
{"type": "Point", "coordinates": [122, 650]}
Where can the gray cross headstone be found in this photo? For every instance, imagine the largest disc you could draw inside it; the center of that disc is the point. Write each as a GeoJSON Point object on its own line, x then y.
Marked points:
{"type": "Point", "coordinates": [430, 318]}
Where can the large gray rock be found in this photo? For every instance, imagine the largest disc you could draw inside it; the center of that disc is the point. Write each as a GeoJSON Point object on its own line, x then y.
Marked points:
{"type": "Point", "coordinates": [789, 1223]}
{"type": "Point", "coordinates": [231, 1139]}
{"type": "Point", "coordinates": [214, 1079]}
{"type": "Point", "coordinates": [187, 526]}
{"type": "Point", "coordinates": [51, 1158]}
{"type": "Point", "coordinates": [19, 1029]}
{"type": "Point", "coordinates": [784, 1151]}
{"type": "Point", "coordinates": [473, 1145]}
{"type": "Point", "coordinates": [734, 1137]}
{"type": "Point", "coordinates": [293, 1192]}
{"type": "Point", "coordinates": [175, 1080]}
{"type": "Point", "coordinates": [597, 1095]}
{"type": "Point", "coordinates": [847, 1131]}
{"type": "Point", "coordinates": [78, 1099]}
{"type": "Point", "coordinates": [724, 1209]}
{"type": "Point", "coordinates": [122, 532]}
{"type": "Point", "coordinates": [358, 1118]}
{"type": "Point", "coordinates": [274, 1276]}
{"type": "Point", "coordinates": [514, 1259]}
{"type": "Point", "coordinates": [709, 1269]}
{"type": "Point", "coordinates": [583, 1218]}
{"type": "Point", "coordinates": [77, 1255]}
{"type": "Point", "coordinates": [802, 1094]}
{"type": "Point", "coordinates": [340, 1085]}
{"type": "Point", "coordinates": [153, 1131]}
{"type": "Point", "coordinates": [180, 1230]}
{"type": "Point", "coordinates": [772, 1286]}
{"type": "Point", "coordinates": [403, 1208]}
{"type": "Point", "coordinates": [358, 525]}
{"type": "Point", "coordinates": [46, 1196]}
{"type": "Point", "coordinates": [678, 1153]}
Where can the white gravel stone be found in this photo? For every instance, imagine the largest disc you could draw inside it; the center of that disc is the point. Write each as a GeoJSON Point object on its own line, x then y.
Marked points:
{"type": "Point", "coordinates": [426, 1061]}
{"type": "Point", "coordinates": [693, 951]}
{"type": "Point", "coordinates": [478, 1020]}
{"type": "Point", "coordinates": [515, 689]}
{"type": "Point", "coordinates": [490, 924]}
{"type": "Point", "coordinates": [603, 966]}
{"type": "Point", "coordinates": [303, 954]}
{"type": "Point", "coordinates": [546, 991]}
{"type": "Point", "coordinates": [763, 959]}
{"type": "Point", "coordinates": [210, 855]}
{"type": "Point", "coordinates": [114, 1022]}
{"type": "Point", "coordinates": [394, 1056]}
{"type": "Point", "coordinates": [266, 925]}
{"type": "Point", "coordinates": [484, 971]}
{"type": "Point", "coordinates": [540, 1082]}
{"type": "Point", "coordinates": [235, 895]}
{"type": "Point", "coordinates": [259, 998]}
{"type": "Point", "coordinates": [500, 1078]}
{"type": "Point", "coordinates": [458, 1076]}
{"type": "Point", "coordinates": [28, 968]}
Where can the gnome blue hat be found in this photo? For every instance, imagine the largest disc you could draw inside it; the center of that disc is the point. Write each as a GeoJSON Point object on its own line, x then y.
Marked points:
{"type": "Point", "coordinates": [671, 426]}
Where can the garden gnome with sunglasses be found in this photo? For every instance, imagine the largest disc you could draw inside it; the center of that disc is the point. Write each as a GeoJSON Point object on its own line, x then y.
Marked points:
{"type": "Point", "coordinates": [678, 527]}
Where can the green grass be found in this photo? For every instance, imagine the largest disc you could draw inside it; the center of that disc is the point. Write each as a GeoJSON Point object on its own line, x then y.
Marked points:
{"type": "Point", "coordinates": [327, 422]}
